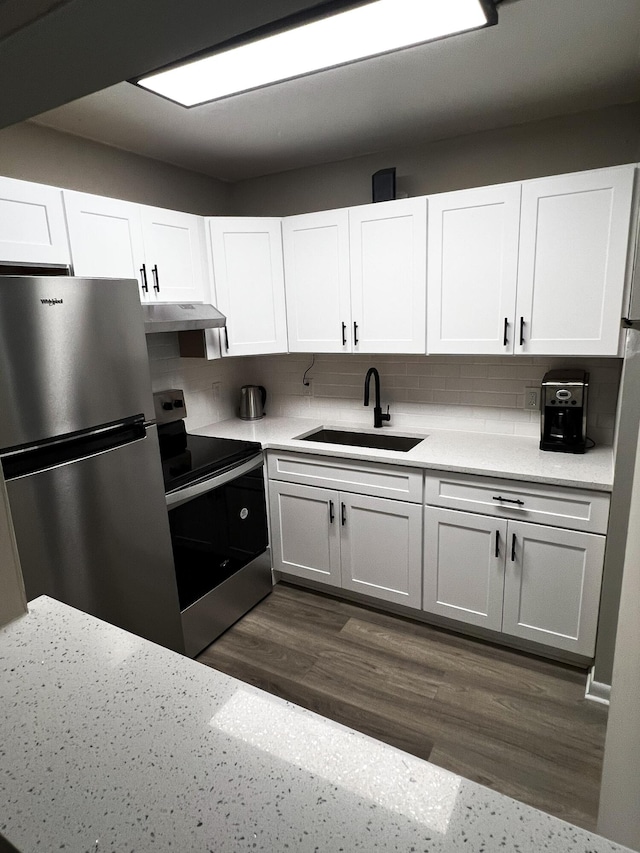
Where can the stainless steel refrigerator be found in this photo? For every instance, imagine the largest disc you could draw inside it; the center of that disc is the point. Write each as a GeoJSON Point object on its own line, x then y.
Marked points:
{"type": "Point", "coordinates": [79, 451]}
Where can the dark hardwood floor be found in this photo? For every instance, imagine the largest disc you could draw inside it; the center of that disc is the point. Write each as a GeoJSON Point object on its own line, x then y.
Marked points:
{"type": "Point", "coordinates": [513, 722]}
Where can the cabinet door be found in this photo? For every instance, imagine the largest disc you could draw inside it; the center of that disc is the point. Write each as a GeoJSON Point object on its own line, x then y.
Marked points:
{"type": "Point", "coordinates": [464, 566]}
{"type": "Point", "coordinates": [388, 244]}
{"type": "Point", "coordinates": [305, 531]}
{"type": "Point", "coordinates": [249, 281]}
{"type": "Point", "coordinates": [574, 236]}
{"type": "Point", "coordinates": [317, 281]}
{"type": "Point", "coordinates": [105, 235]}
{"type": "Point", "coordinates": [552, 586]}
{"type": "Point", "coordinates": [381, 545]}
{"type": "Point", "coordinates": [174, 251]}
{"type": "Point", "coordinates": [32, 226]}
{"type": "Point", "coordinates": [472, 270]}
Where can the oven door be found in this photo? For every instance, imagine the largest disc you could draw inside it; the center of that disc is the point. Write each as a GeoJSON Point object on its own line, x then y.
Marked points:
{"type": "Point", "coordinates": [219, 539]}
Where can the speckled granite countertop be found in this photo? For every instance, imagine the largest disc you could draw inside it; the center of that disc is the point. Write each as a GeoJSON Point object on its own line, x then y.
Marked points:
{"type": "Point", "coordinates": [512, 457]}
{"type": "Point", "coordinates": [110, 743]}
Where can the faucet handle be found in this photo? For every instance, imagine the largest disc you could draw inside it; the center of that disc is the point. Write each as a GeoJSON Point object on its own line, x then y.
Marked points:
{"type": "Point", "coordinates": [387, 416]}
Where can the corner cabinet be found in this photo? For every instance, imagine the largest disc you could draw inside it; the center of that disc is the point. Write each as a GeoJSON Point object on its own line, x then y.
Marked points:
{"type": "Point", "coordinates": [339, 533]}
{"type": "Point", "coordinates": [356, 278]}
{"type": "Point", "coordinates": [538, 268]}
{"type": "Point", "coordinates": [162, 249]}
{"type": "Point", "coordinates": [32, 224]}
{"type": "Point", "coordinates": [506, 571]}
{"type": "Point", "coordinates": [249, 284]}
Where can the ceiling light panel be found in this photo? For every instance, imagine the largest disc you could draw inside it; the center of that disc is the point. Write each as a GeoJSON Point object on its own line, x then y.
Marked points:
{"type": "Point", "coordinates": [376, 28]}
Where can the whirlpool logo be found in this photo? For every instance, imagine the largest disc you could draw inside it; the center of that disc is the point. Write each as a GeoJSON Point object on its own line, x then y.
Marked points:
{"type": "Point", "coordinates": [52, 301]}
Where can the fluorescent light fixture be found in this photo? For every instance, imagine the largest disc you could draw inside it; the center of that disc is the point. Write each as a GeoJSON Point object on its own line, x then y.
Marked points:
{"type": "Point", "coordinates": [367, 30]}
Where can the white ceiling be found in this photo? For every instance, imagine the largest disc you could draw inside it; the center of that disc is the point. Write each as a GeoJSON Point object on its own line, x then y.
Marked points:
{"type": "Point", "coordinates": [545, 58]}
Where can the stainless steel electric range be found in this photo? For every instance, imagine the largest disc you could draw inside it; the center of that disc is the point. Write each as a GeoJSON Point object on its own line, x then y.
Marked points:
{"type": "Point", "coordinates": [218, 518]}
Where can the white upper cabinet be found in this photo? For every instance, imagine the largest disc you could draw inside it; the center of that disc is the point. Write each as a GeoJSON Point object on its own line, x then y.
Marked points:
{"type": "Point", "coordinates": [249, 283]}
{"type": "Point", "coordinates": [175, 253]}
{"type": "Point", "coordinates": [574, 236]}
{"type": "Point", "coordinates": [472, 270]}
{"type": "Point", "coordinates": [105, 235]}
{"type": "Point", "coordinates": [32, 225]}
{"type": "Point", "coordinates": [162, 249]}
{"type": "Point", "coordinates": [317, 281]}
{"type": "Point", "coordinates": [388, 244]}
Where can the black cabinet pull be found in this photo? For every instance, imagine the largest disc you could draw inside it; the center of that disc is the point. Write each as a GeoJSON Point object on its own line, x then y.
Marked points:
{"type": "Point", "coordinates": [344, 334]}
{"type": "Point", "coordinates": [355, 333]}
{"type": "Point", "coordinates": [521, 331]}
{"type": "Point", "coordinates": [508, 500]}
{"type": "Point", "coordinates": [513, 549]}
{"type": "Point", "coordinates": [226, 339]}
{"type": "Point", "coordinates": [343, 511]}
{"type": "Point", "coordinates": [331, 515]}
{"type": "Point", "coordinates": [156, 278]}
{"type": "Point", "coordinates": [497, 543]}
{"type": "Point", "coordinates": [505, 339]}
{"type": "Point", "coordinates": [143, 278]}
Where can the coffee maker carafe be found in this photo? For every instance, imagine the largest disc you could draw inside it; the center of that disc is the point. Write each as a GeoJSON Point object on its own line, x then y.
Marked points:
{"type": "Point", "coordinates": [563, 425]}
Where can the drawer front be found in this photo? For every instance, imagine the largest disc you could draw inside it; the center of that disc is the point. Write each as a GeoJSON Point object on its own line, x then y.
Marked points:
{"type": "Point", "coordinates": [363, 478]}
{"type": "Point", "coordinates": [576, 509]}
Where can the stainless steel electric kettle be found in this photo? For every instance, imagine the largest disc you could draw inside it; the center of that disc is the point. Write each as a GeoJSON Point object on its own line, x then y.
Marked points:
{"type": "Point", "coordinates": [252, 400]}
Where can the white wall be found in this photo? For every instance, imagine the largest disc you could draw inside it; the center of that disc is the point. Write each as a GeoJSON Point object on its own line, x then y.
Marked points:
{"type": "Point", "coordinates": [588, 140]}
{"type": "Point", "coordinates": [30, 152]}
{"type": "Point", "coordinates": [13, 602]}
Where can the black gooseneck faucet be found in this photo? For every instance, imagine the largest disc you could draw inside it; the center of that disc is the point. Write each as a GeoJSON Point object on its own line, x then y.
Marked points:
{"type": "Point", "coordinates": [378, 417]}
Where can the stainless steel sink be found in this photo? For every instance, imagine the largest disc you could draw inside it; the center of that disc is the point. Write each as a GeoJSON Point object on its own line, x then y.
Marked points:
{"type": "Point", "coordinates": [380, 441]}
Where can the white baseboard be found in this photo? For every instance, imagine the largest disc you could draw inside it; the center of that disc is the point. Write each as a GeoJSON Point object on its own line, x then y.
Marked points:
{"type": "Point", "coordinates": [597, 691]}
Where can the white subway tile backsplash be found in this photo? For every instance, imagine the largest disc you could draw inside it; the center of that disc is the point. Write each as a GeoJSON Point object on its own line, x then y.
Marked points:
{"type": "Point", "coordinates": [473, 393]}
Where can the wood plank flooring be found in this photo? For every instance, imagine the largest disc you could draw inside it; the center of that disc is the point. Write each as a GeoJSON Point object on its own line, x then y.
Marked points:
{"type": "Point", "coordinates": [513, 722]}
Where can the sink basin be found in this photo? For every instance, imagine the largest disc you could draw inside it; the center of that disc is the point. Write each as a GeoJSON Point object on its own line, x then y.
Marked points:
{"type": "Point", "coordinates": [381, 440]}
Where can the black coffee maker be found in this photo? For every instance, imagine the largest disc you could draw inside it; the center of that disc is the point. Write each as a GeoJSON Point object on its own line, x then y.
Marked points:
{"type": "Point", "coordinates": [563, 425]}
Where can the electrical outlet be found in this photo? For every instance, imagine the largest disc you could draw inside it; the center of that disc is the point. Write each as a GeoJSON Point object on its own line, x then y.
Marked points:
{"type": "Point", "coordinates": [215, 387]}
{"type": "Point", "coordinates": [532, 398]}
{"type": "Point", "coordinates": [307, 388]}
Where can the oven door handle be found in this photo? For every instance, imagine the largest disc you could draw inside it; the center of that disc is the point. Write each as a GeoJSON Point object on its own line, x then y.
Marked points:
{"type": "Point", "coordinates": [188, 493]}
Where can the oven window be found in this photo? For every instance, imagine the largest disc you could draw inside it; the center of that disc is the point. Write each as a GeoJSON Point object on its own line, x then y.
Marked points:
{"type": "Point", "coordinates": [216, 534]}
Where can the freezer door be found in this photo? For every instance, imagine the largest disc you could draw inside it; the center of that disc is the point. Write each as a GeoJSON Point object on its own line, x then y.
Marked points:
{"type": "Point", "coordinates": [94, 533]}
{"type": "Point", "coordinates": [73, 355]}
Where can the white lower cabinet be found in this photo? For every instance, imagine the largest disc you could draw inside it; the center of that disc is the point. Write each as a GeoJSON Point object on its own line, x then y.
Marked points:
{"type": "Point", "coordinates": [552, 586]}
{"type": "Point", "coordinates": [380, 548]}
{"type": "Point", "coordinates": [529, 581]}
{"type": "Point", "coordinates": [305, 535]}
{"type": "Point", "coordinates": [357, 542]}
{"type": "Point", "coordinates": [464, 566]}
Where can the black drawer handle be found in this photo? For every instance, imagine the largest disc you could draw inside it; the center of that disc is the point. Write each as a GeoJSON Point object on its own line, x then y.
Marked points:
{"type": "Point", "coordinates": [521, 331]}
{"type": "Point", "coordinates": [343, 511]}
{"type": "Point", "coordinates": [331, 515]}
{"type": "Point", "coordinates": [226, 339]}
{"type": "Point", "coordinates": [156, 278]}
{"type": "Point", "coordinates": [143, 274]}
{"type": "Point", "coordinates": [344, 334]}
{"type": "Point", "coordinates": [497, 543]}
{"type": "Point", "coordinates": [505, 340]}
{"type": "Point", "coordinates": [355, 333]}
{"type": "Point", "coordinates": [508, 500]}
{"type": "Point", "coordinates": [513, 549]}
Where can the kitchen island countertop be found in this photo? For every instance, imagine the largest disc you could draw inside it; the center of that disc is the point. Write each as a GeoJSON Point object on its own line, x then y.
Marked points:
{"type": "Point", "coordinates": [110, 743]}
{"type": "Point", "coordinates": [510, 457]}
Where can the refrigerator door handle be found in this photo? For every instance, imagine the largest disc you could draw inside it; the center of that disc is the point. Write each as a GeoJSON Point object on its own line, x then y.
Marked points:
{"type": "Point", "coordinates": [24, 461]}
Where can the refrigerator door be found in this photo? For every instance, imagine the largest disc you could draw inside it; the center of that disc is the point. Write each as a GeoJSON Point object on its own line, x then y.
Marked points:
{"type": "Point", "coordinates": [73, 355]}
{"type": "Point", "coordinates": [94, 533]}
